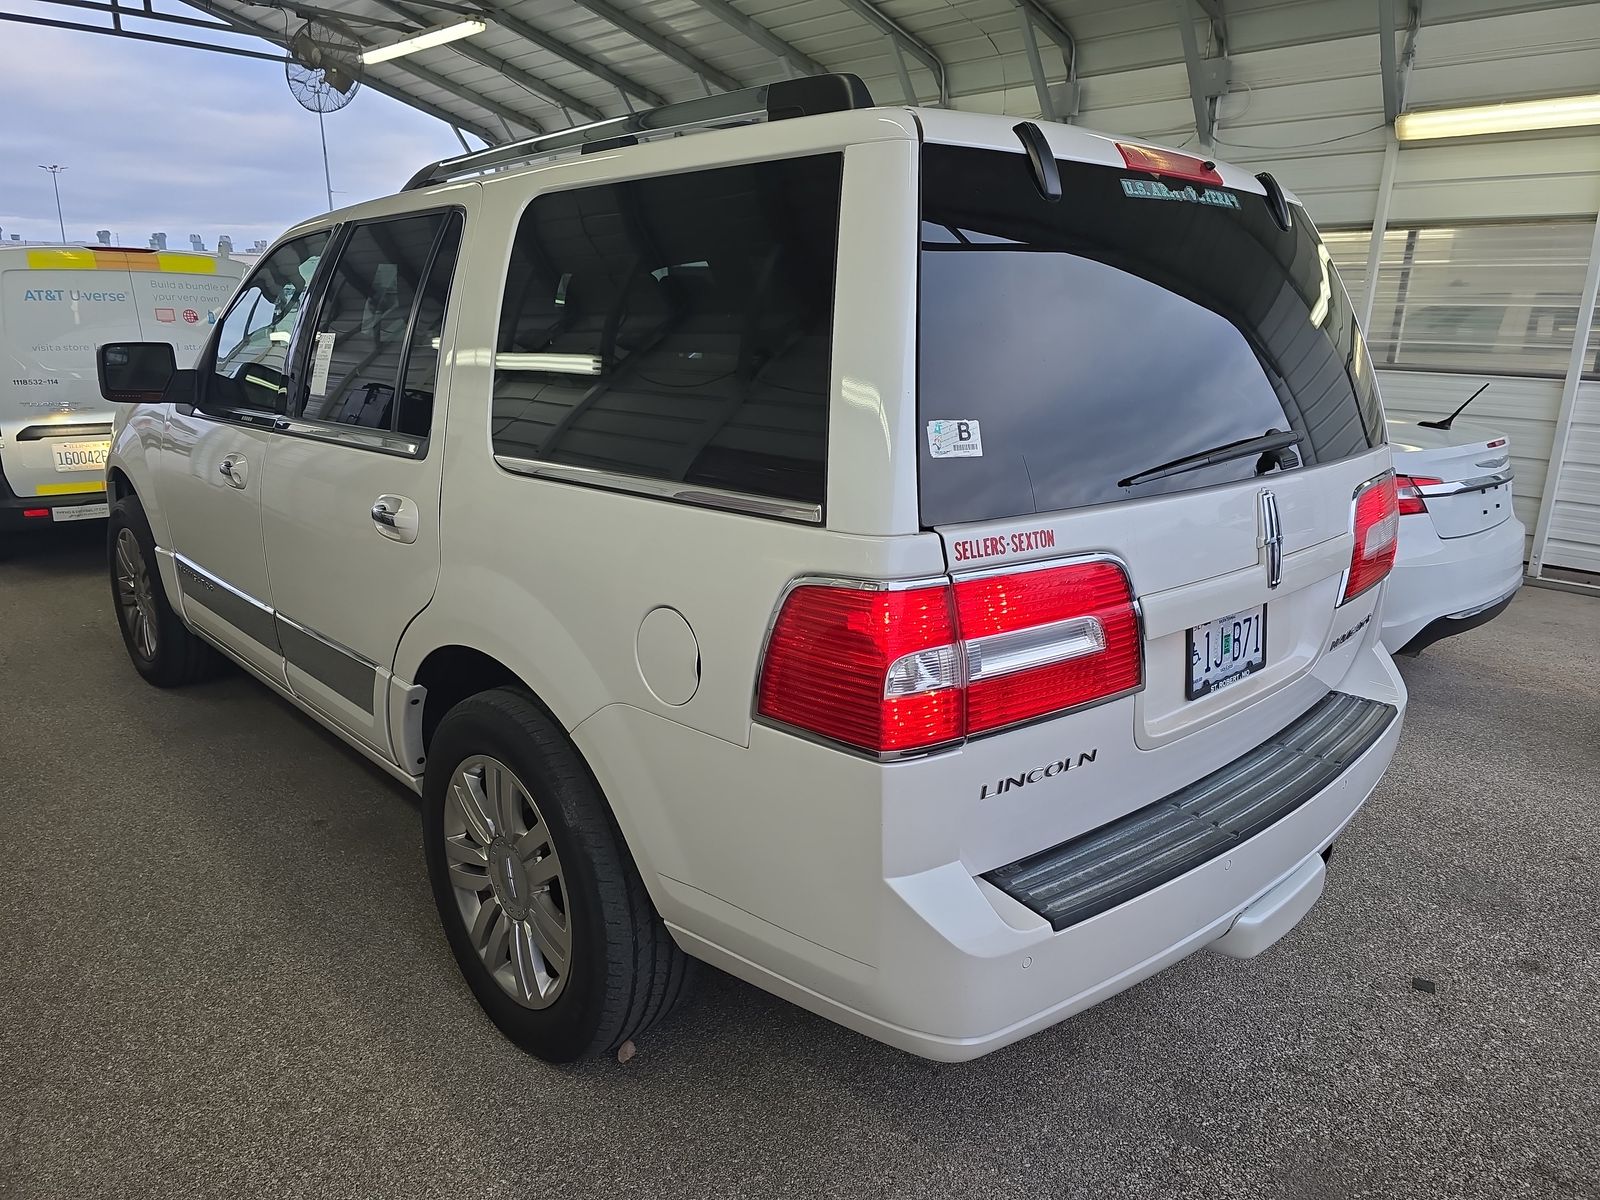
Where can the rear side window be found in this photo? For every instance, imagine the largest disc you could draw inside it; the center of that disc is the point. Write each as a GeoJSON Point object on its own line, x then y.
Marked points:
{"type": "Point", "coordinates": [676, 328]}
{"type": "Point", "coordinates": [1093, 341]}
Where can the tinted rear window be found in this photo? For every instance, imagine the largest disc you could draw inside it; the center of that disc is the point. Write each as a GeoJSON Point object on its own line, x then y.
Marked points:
{"type": "Point", "coordinates": [676, 328]}
{"type": "Point", "coordinates": [1115, 331]}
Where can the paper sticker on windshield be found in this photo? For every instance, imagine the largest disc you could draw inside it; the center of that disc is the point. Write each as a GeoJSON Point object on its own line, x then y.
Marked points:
{"type": "Point", "coordinates": [321, 364]}
{"type": "Point", "coordinates": [1154, 189]}
{"type": "Point", "coordinates": [954, 439]}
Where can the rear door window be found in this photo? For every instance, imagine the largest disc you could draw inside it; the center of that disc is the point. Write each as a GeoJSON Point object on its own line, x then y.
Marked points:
{"type": "Point", "coordinates": [1092, 341]}
{"type": "Point", "coordinates": [366, 366]}
{"type": "Point", "coordinates": [676, 328]}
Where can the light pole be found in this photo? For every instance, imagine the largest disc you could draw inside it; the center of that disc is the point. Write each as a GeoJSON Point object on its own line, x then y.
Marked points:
{"type": "Point", "coordinates": [55, 175]}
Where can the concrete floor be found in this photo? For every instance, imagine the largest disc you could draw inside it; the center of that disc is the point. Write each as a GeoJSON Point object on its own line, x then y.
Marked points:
{"type": "Point", "coordinates": [221, 974]}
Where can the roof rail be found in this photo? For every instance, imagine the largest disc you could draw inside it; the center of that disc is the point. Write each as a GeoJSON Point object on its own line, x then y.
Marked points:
{"type": "Point", "coordinates": [786, 98]}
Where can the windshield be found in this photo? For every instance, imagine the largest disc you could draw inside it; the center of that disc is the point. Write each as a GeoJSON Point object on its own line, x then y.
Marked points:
{"type": "Point", "coordinates": [1080, 345]}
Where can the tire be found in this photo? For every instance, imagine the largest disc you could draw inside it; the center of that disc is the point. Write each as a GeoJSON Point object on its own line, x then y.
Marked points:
{"type": "Point", "coordinates": [173, 656]}
{"type": "Point", "coordinates": [506, 795]}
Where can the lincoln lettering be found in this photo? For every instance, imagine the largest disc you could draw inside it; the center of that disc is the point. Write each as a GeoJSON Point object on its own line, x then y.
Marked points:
{"type": "Point", "coordinates": [1049, 771]}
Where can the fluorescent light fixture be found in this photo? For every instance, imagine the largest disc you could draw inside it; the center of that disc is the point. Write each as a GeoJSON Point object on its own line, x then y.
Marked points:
{"type": "Point", "coordinates": [1559, 112]}
{"type": "Point", "coordinates": [425, 40]}
{"type": "Point", "coordinates": [562, 364]}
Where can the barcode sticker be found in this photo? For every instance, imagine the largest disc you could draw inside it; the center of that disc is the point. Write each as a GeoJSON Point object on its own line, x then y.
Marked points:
{"type": "Point", "coordinates": [322, 363]}
{"type": "Point", "coordinates": [954, 439]}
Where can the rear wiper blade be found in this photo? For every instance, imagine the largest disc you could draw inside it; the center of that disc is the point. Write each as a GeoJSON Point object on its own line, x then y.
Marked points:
{"type": "Point", "coordinates": [1268, 443]}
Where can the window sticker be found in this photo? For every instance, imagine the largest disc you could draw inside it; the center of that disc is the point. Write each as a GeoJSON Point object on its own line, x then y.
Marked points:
{"type": "Point", "coordinates": [322, 363]}
{"type": "Point", "coordinates": [955, 439]}
{"type": "Point", "coordinates": [1149, 189]}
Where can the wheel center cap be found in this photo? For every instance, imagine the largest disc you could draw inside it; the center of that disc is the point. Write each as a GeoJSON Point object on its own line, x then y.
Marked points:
{"type": "Point", "coordinates": [509, 879]}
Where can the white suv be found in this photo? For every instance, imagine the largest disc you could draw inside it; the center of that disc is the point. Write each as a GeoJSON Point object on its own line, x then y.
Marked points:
{"type": "Point", "coordinates": [922, 564]}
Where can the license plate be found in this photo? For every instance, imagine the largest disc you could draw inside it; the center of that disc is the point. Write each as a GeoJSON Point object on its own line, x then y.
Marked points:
{"type": "Point", "coordinates": [1224, 651]}
{"type": "Point", "coordinates": [80, 512]}
{"type": "Point", "coordinates": [81, 456]}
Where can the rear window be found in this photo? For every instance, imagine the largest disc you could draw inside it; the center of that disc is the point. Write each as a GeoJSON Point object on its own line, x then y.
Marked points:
{"type": "Point", "coordinates": [1069, 348]}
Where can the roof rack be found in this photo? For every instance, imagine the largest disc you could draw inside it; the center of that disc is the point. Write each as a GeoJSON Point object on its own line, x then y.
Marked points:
{"type": "Point", "coordinates": [804, 97]}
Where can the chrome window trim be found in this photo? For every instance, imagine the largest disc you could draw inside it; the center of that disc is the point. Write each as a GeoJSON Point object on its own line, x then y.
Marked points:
{"type": "Point", "coordinates": [401, 445]}
{"type": "Point", "coordinates": [663, 489]}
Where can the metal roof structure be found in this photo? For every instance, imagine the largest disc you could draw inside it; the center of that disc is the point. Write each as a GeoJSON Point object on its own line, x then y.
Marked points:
{"type": "Point", "coordinates": [544, 65]}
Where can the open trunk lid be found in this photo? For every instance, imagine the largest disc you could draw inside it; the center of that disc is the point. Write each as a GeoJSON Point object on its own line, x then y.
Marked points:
{"type": "Point", "coordinates": [1463, 474]}
{"type": "Point", "coordinates": [1089, 371]}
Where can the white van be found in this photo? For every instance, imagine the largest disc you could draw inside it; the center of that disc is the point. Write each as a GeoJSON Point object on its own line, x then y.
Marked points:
{"type": "Point", "coordinates": [57, 304]}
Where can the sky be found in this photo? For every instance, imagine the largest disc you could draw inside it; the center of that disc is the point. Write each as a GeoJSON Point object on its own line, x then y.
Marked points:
{"type": "Point", "coordinates": [181, 141]}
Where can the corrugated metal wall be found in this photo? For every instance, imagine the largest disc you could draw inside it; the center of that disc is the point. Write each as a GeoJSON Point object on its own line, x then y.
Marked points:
{"type": "Point", "coordinates": [1574, 537]}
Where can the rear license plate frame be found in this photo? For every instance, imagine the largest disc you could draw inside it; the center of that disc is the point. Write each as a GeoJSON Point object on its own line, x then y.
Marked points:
{"type": "Point", "coordinates": [1256, 660]}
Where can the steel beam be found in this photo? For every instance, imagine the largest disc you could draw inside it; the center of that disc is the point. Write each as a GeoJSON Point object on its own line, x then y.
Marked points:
{"type": "Point", "coordinates": [1569, 403]}
{"type": "Point", "coordinates": [1380, 227]}
{"type": "Point", "coordinates": [909, 42]}
{"type": "Point", "coordinates": [477, 54]}
{"type": "Point", "coordinates": [1396, 68]}
{"type": "Point", "coordinates": [640, 32]}
{"type": "Point", "coordinates": [1056, 32]}
{"type": "Point", "coordinates": [116, 11]}
{"type": "Point", "coordinates": [584, 62]}
{"type": "Point", "coordinates": [1041, 85]}
{"type": "Point", "coordinates": [135, 36]}
{"type": "Point", "coordinates": [247, 26]}
{"type": "Point", "coordinates": [1205, 113]}
{"type": "Point", "coordinates": [762, 36]}
{"type": "Point", "coordinates": [1388, 60]}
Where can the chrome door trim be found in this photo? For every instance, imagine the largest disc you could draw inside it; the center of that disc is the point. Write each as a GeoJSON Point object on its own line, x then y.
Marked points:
{"type": "Point", "coordinates": [663, 489]}
{"type": "Point", "coordinates": [400, 445]}
{"type": "Point", "coordinates": [338, 668]}
{"type": "Point", "coordinates": [238, 608]}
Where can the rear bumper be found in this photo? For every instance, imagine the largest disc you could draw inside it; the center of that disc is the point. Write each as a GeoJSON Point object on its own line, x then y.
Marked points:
{"type": "Point", "coordinates": [48, 511]}
{"type": "Point", "coordinates": [966, 968]}
{"type": "Point", "coordinates": [1445, 585]}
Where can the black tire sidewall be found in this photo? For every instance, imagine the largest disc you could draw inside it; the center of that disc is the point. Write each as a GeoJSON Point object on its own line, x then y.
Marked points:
{"type": "Point", "coordinates": [569, 1028]}
{"type": "Point", "coordinates": [166, 668]}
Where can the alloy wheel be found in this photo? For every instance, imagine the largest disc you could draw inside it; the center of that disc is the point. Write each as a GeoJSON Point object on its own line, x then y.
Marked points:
{"type": "Point", "coordinates": [508, 881]}
{"type": "Point", "coordinates": [135, 597]}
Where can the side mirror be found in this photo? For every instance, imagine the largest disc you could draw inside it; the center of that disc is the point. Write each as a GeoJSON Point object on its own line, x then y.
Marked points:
{"type": "Point", "coordinates": [135, 372]}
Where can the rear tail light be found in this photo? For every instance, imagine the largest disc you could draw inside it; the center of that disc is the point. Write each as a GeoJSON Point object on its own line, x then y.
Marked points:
{"type": "Point", "coordinates": [896, 671]}
{"type": "Point", "coordinates": [1496, 443]}
{"type": "Point", "coordinates": [1169, 163]}
{"type": "Point", "coordinates": [1377, 529]}
{"type": "Point", "coordinates": [1408, 490]}
{"type": "Point", "coordinates": [36, 512]}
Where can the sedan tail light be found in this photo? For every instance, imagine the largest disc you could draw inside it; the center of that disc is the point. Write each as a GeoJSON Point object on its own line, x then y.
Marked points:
{"type": "Point", "coordinates": [1377, 529]}
{"type": "Point", "coordinates": [1408, 491]}
{"type": "Point", "coordinates": [894, 671]}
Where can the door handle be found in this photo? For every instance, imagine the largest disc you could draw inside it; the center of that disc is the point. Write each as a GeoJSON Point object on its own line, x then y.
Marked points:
{"type": "Point", "coordinates": [234, 469]}
{"type": "Point", "coordinates": [396, 518]}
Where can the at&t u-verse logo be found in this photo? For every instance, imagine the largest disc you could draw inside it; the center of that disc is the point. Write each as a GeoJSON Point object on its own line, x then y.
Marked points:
{"type": "Point", "coordinates": [1048, 771]}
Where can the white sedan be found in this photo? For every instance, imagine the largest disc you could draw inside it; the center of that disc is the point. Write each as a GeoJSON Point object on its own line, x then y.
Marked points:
{"type": "Point", "coordinates": [1460, 557]}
